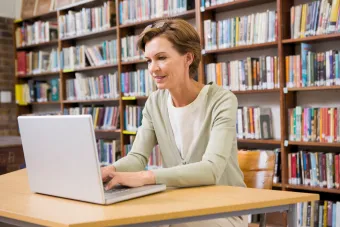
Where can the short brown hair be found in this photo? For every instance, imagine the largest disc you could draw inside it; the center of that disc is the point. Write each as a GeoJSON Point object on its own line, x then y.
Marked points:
{"type": "Point", "coordinates": [180, 33]}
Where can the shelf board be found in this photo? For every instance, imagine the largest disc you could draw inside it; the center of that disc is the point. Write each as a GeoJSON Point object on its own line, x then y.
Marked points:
{"type": "Point", "coordinates": [37, 75]}
{"type": "Point", "coordinates": [141, 61]}
{"type": "Point", "coordinates": [90, 101]}
{"type": "Point", "coordinates": [276, 142]}
{"type": "Point", "coordinates": [44, 44]}
{"type": "Point", "coordinates": [316, 38]}
{"type": "Point", "coordinates": [315, 144]}
{"type": "Point", "coordinates": [256, 91]}
{"type": "Point", "coordinates": [315, 189]}
{"type": "Point", "coordinates": [77, 4]}
{"type": "Point", "coordinates": [45, 103]}
{"type": "Point", "coordinates": [238, 4]}
{"type": "Point", "coordinates": [242, 48]}
{"type": "Point", "coordinates": [314, 88]}
{"type": "Point", "coordinates": [90, 34]}
{"type": "Point", "coordinates": [107, 131]}
{"type": "Point", "coordinates": [126, 98]}
{"type": "Point", "coordinates": [89, 68]}
{"type": "Point", "coordinates": [139, 24]}
{"type": "Point", "coordinates": [125, 132]}
{"type": "Point", "coordinates": [51, 14]}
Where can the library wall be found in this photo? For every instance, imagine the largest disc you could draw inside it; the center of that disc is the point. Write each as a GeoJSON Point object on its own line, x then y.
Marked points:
{"type": "Point", "coordinates": [7, 104]}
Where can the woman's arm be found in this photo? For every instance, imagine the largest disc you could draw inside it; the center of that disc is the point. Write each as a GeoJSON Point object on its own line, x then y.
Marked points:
{"type": "Point", "coordinates": [218, 152]}
{"type": "Point", "coordinates": [138, 157]}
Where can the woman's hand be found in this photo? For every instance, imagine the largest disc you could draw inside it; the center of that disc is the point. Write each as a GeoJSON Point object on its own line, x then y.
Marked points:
{"type": "Point", "coordinates": [130, 179]}
{"type": "Point", "coordinates": [106, 171]}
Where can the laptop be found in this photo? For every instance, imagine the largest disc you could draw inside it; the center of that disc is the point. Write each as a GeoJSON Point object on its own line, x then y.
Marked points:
{"type": "Point", "coordinates": [62, 160]}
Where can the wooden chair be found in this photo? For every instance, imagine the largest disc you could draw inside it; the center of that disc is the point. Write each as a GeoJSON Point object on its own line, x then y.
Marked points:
{"type": "Point", "coordinates": [258, 170]}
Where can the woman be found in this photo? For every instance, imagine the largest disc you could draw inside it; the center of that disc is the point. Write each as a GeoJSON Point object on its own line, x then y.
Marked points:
{"type": "Point", "coordinates": [194, 124]}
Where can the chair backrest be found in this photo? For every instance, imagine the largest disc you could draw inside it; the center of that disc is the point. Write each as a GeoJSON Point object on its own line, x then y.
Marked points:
{"type": "Point", "coordinates": [257, 167]}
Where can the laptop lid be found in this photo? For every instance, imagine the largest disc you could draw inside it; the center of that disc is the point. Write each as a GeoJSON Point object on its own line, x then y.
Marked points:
{"type": "Point", "coordinates": [61, 156]}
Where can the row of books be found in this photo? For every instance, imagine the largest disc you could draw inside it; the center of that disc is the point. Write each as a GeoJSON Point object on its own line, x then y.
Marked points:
{"type": "Point", "coordinates": [238, 31]}
{"type": "Point", "coordinates": [37, 62]}
{"type": "Point", "coordinates": [314, 18]}
{"type": "Point", "coordinates": [313, 69]}
{"type": "Point", "coordinates": [90, 88]}
{"type": "Point", "coordinates": [247, 74]}
{"type": "Point", "coordinates": [35, 33]}
{"type": "Point", "coordinates": [133, 117]}
{"type": "Point", "coordinates": [87, 20]}
{"type": "Point", "coordinates": [132, 11]}
{"type": "Point", "coordinates": [311, 124]}
{"type": "Point", "coordinates": [254, 123]}
{"type": "Point", "coordinates": [108, 151]}
{"type": "Point", "coordinates": [129, 49]}
{"type": "Point", "coordinates": [77, 57]}
{"type": "Point", "coordinates": [106, 118]}
{"type": "Point", "coordinates": [318, 213]}
{"type": "Point", "coordinates": [37, 91]}
{"type": "Point", "coordinates": [137, 83]}
{"type": "Point", "coordinates": [316, 169]}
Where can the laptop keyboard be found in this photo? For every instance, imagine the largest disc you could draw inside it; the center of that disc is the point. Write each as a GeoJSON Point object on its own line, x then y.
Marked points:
{"type": "Point", "coordinates": [116, 190]}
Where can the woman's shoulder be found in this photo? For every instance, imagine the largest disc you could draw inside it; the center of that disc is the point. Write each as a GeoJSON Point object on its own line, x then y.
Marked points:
{"type": "Point", "coordinates": [219, 95]}
{"type": "Point", "coordinates": [158, 95]}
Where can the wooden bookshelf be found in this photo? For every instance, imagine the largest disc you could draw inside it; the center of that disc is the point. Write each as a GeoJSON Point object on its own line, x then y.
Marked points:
{"type": "Point", "coordinates": [90, 68]}
{"type": "Point", "coordinates": [28, 76]}
{"type": "Point", "coordinates": [258, 141]}
{"type": "Point", "coordinates": [234, 5]}
{"type": "Point", "coordinates": [108, 131]}
{"type": "Point", "coordinates": [314, 88]}
{"type": "Point", "coordinates": [45, 103]}
{"type": "Point", "coordinates": [183, 15]}
{"type": "Point", "coordinates": [38, 45]}
{"type": "Point", "coordinates": [91, 34]}
{"type": "Point", "coordinates": [257, 91]}
{"type": "Point", "coordinates": [52, 14]}
{"type": "Point", "coordinates": [313, 144]}
{"type": "Point", "coordinates": [90, 101]}
{"type": "Point", "coordinates": [242, 48]}
{"type": "Point", "coordinates": [317, 38]}
{"type": "Point", "coordinates": [313, 189]}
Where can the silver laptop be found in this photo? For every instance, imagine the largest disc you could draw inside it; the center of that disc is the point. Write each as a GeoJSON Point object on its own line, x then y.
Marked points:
{"type": "Point", "coordinates": [62, 160]}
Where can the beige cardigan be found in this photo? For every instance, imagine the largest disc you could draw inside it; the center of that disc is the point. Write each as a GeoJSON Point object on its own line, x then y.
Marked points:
{"type": "Point", "coordinates": [212, 158]}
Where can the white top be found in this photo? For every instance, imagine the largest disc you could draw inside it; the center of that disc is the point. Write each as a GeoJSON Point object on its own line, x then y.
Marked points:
{"type": "Point", "coordinates": [186, 121]}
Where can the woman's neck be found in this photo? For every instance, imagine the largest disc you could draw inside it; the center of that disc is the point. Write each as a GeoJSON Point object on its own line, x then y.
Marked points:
{"type": "Point", "coordinates": [186, 93]}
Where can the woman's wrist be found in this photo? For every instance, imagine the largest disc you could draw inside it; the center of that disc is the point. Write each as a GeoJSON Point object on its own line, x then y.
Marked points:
{"type": "Point", "coordinates": [148, 177]}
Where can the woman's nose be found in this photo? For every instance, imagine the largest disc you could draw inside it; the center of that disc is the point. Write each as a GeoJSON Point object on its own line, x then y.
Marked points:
{"type": "Point", "coordinates": [153, 67]}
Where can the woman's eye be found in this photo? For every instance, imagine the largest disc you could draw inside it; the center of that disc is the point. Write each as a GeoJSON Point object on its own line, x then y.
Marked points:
{"type": "Point", "coordinates": [162, 58]}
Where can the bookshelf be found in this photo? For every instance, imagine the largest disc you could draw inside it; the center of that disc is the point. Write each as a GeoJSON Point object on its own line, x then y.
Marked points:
{"type": "Point", "coordinates": [284, 46]}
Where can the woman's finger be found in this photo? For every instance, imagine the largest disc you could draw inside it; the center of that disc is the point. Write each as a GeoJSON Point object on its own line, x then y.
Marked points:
{"type": "Point", "coordinates": [111, 184]}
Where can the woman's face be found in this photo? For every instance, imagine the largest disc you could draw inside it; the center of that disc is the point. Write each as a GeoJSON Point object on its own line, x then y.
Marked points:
{"type": "Point", "coordinates": [167, 67]}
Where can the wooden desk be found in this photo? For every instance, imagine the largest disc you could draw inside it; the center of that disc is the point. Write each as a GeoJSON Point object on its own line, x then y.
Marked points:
{"type": "Point", "coordinates": [19, 206]}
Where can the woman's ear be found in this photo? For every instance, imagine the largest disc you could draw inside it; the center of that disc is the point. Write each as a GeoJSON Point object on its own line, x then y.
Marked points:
{"type": "Point", "coordinates": [189, 58]}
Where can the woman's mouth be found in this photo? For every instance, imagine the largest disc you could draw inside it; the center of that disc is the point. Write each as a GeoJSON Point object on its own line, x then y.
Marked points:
{"type": "Point", "coordinates": [159, 79]}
